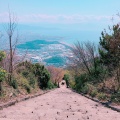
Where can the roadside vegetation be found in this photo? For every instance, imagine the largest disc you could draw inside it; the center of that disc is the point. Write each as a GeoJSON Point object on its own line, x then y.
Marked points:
{"type": "Point", "coordinates": [96, 70]}
{"type": "Point", "coordinates": [27, 78]}
{"type": "Point", "coordinates": [19, 77]}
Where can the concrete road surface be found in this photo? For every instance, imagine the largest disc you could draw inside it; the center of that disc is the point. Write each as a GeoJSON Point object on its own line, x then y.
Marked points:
{"type": "Point", "coordinates": [60, 104]}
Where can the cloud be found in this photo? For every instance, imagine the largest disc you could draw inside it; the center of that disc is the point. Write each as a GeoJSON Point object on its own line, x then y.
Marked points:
{"type": "Point", "coordinates": [3, 17]}
{"type": "Point", "coordinates": [74, 18]}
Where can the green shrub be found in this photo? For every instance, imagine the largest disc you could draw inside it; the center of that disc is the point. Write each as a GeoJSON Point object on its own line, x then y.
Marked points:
{"type": "Point", "coordinates": [50, 85]}
{"type": "Point", "coordinates": [98, 74]}
{"type": "Point", "coordinates": [25, 84]}
{"type": "Point", "coordinates": [27, 87]}
{"type": "Point", "coordinates": [43, 79]}
{"type": "Point", "coordinates": [25, 73]}
{"type": "Point", "coordinates": [2, 77]}
{"type": "Point", "coordinates": [116, 97]}
{"type": "Point", "coordinates": [101, 96]}
{"type": "Point", "coordinates": [34, 73]}
{"type": "Point", "coordinates": [80, 81]}
{"type": "Point", "coordinates": [32, 80]}
{"type": "Point", "coordinates": [67, 79]}
{"type": "Point", "coordinates": [14, 83]}
{"type": "Point", "coordinates": [85, 89]}
{"type": "Point", "coordinates": [2, 74]}
{"type": "Point", "coordinates": [72, 84]}
{"type": "Point", "coordinates": [93, 93]}
{"type": "Point", "coordinates": [42, 74]}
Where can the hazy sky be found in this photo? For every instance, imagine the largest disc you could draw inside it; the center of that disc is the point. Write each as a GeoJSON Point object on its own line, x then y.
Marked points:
{"type": "Point", "coordinates": [61, 11]}
{"type": "Point", "coordinates": [86, 15]}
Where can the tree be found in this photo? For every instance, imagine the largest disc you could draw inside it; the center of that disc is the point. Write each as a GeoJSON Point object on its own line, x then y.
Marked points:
{"type": "Point", "coordinates": [110, 52]}
{"type": "Point", "coordinates": [85, 57]}
{"type": "Point", "coordinates": [56, 74]}
{"type": "Point", "coordinates": [110, 47]}
{"type": "Point", "coordinates": [10, 30]}
{"type": "Point", "coordinates": [42, 74]}
{"type": "Point", "coordinates": [66, 78]}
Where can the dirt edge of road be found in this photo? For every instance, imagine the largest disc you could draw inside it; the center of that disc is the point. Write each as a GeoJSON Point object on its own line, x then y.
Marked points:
{"type": "Point", "coordinates": [13, 102]}
{"type": "Point", "coordinates": [105, 104]}
{"type": "Point", "coordinates": [17, 100]}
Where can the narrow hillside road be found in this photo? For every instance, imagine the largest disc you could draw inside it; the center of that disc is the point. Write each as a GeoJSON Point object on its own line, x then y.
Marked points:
{"type": "Point", "coordinates": [60, 104]}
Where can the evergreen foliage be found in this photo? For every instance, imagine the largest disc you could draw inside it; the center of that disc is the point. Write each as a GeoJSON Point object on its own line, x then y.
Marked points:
{"type": "Point", "coordinates": [100, 68]}
{"type": "Point", "coordinates": [42, 74]}
{"type": "Point", "coordinates": [67, 79]}
{"type": "Point", "coordinates": [109, 50]}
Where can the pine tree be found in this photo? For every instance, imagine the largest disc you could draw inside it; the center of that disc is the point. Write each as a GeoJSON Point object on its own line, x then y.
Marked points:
{"type": "Point", "coordinates": [110, 47]}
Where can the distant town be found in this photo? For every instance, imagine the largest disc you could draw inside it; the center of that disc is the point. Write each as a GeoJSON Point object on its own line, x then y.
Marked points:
{"type": "Point", "coordinates": [47, 53]}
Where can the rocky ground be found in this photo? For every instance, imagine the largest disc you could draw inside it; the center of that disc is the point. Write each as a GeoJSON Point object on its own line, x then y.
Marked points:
{"type": "Point", "coordinates": [60, 104]}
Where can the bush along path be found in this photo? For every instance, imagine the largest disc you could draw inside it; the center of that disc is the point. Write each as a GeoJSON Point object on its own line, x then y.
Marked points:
{"type": "Point", "coordinates": [60, 104]}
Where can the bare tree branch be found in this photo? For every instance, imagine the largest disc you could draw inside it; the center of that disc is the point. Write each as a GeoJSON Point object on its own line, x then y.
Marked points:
{"type": "Point", "coordinates": [84, 57]}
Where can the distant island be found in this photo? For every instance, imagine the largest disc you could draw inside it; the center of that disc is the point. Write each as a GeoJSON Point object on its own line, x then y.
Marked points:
{"type": "Point", "coordinates": [47, 52]}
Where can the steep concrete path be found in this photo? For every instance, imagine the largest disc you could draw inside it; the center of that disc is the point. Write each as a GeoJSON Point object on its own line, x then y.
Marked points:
{"type": "Point", "coordinates": [60, 104]}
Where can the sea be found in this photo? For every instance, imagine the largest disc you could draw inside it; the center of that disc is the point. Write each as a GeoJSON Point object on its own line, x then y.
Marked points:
{"type": "Point", "coordinates": [50, 47]}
